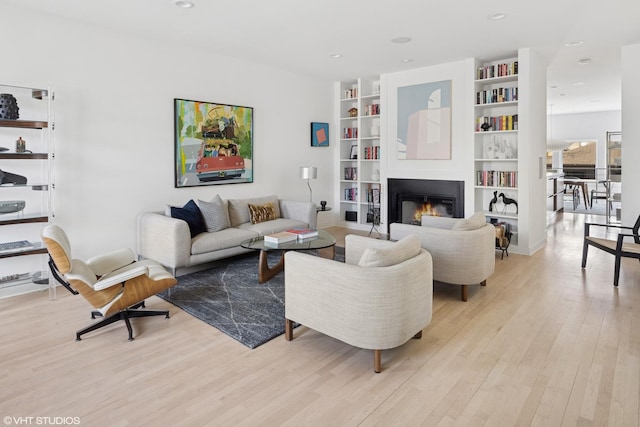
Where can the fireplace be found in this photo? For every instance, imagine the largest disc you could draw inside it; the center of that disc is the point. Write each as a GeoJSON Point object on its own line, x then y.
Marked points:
{"type": "Point", "coordinates": [409, 199]}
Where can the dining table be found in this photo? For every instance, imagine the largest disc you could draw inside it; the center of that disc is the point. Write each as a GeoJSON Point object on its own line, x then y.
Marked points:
{"type": "Point", "coordinates": [582, 184]}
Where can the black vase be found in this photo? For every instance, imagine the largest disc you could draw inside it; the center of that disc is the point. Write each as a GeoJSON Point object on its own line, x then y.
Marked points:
{"type": "Point", "coordinates": [8, 107]}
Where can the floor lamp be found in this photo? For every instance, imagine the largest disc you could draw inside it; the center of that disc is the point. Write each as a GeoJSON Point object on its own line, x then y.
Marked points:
{"type": "Point", "coordinates": [309, 173]}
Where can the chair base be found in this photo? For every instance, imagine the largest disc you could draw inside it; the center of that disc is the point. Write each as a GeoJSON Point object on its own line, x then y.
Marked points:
{"type": "Point", "coordinates": [125, 315]}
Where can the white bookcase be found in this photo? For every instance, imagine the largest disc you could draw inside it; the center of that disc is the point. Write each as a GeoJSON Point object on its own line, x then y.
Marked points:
{"type": "Point", "coordinates": [359, 152]}
{"type": "Point", "coordinates": [496, 141]}
{"type": "Point", "coordinates": [515, 153]}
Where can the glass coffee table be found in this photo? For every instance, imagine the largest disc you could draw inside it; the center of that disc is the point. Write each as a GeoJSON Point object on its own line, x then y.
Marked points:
{"type": "Point", "coordinates": [325, 244]}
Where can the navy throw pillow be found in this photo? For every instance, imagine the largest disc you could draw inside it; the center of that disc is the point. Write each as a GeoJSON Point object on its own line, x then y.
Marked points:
{"type": "Point", "coordinates": [191, 214]}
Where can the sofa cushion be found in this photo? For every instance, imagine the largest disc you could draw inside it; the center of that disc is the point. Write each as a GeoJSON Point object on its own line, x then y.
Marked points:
{"type": "Point", "coordinates": [261, 213]}
{"type": "Point", "coordinates": [239, 209]}
{"type": "Point", "coordinates": [215, 214]}
{"type": "Point", "coordinates": [220, 240]}
{"type": "Point", "coordinates": [404, 249]}
{"type": "Point", "coordinates": [190, 213]}
{"type": "Point", "coordinates": [474, 222]}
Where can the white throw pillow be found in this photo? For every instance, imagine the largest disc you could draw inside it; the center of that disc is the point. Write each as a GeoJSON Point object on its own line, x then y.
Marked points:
{"type": "Point", "coordinates": [215, 214]}
{"type": "Point", "coordinates": [404, 249]}
{"type": "Point", "coordinates": [475, 221]}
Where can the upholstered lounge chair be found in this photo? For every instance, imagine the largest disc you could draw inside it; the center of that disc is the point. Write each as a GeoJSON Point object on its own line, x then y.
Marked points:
{"type": "Point", "coordinates": [620, 248]}
{"type": "Point", "coordinates": [463, 250]}
{"type": "Point", "coordinates": [114, 283]}
{"type": "Point", "coordinates": [378, 299]}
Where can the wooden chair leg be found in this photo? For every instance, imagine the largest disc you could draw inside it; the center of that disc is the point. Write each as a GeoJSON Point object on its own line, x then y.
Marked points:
{"type": "Point", "coordinates": [483, 283]}
{"type": "Point", "coordinates": [418, 335]}
{"type": "Point", "coordinates": [464, 292]}
{"type": "Point", "coordinates": [377, 364]}
{"type": "Point", "coordinates": [288, 329]}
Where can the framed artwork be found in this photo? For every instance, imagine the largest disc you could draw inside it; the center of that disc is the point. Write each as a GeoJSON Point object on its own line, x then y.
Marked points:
{"type": "Point", "coordinates": [213, 143]}
{"type": "Point", "coordinates": [319, 134]}
{"type": "Point", "coordinates": [424, 121]}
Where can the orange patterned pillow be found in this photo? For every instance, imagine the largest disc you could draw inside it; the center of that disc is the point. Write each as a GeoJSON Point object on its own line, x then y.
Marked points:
{"type": "Point", "coordinates": [261, 213]}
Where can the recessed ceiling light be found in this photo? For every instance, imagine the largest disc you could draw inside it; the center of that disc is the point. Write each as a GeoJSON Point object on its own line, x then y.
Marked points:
{"type": "Point", "coordinates": [584, 61]}
{"type": "Point", "coordinates": [406, 60]}
{"type": "Point", "coordinates": [401, 40]}
{"type": "Point", "coordinates": [554, 86]}
{"type": "Point", "coordinates": [184, 4]}
{"type": "Point", "coordinates": [595, 100]}
{"type": "Point", "coordinates": [497, 16]}
{"type": "Point", "coordinates": [578, 84]}
{"type": "Point", "coordinates": [574, 43]}
{"type": "Point", "coordinates": [336, 55]}
{"type": "Point", "coordinates": [563, 94]}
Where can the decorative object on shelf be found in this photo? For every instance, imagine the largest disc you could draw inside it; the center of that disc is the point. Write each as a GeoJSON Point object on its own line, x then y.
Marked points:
{"type": "Point", "coordinates": [496, 148]}
{"type": "Point", "coordinates": [309, 173]}
{"type": "Point", "coordinates": [351, 215]}
{"type": "Point", "coordinates": [508, 201]}
{"type": "Point", "coordinates": [493, 201]}
{"type": "Point", "coordinates": [375, 130]}
{"type": "Point", "coordinates": [319, 134]}
{"type": "Point", "coordinates": [11, 206]}
{"type": "Point", "coordinates": [323, 205]}
{"type": "Point", "coordinates": [424, 121]}
{"type": "Point", "coordinates": [354, 152]}
{"type": "Point", "coordinates": [21, 145]}
{"type": "Point", "coordinates": [375, 175]}
{"type": "Point", "coordinates": [353, 112]}
{"type": "Point", "coordinates": [3, 149]}
{"type": "Point", "coordinates": [8, 107]}
{"type": "Point", "coordinates": [12, 178]}
{"type": "Point", "coordinates": [213, 143]}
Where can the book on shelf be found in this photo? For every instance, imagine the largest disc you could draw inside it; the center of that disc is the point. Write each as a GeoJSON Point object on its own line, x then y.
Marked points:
{"type": "Point", "coordinates": [304, 233]}
{"type": "Point", "coordinates": [9, 247]}
{"type": "Point", "coordinates": [281, 237]}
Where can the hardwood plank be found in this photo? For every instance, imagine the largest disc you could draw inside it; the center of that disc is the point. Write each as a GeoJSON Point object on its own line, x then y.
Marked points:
{"type": "Point", "coordinates": [544, 343]}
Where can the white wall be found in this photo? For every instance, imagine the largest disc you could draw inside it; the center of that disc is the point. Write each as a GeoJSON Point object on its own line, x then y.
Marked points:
{"type": "Point", "coordinates": [460, 167]}
{"type": "Point", "coordinates": [114, 121]}
{"type": "Point", "coordinates": [630, 133]}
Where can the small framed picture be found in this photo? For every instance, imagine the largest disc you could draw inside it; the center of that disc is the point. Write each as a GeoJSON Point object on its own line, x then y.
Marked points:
{"type": "Point", "coordinates": [354, 152]}
{"type": "Point", "coordinates": [319, 134]}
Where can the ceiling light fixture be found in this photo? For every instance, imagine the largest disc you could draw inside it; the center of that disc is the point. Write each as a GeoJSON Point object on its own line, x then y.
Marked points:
{"type": "Point", "coordinates": [183, 4]}
{"type": "Point", "coordinates": [497, 16]}
{"type": "Point", "coordinates": [574, 43]}
{"type": "Point", "coordinates": [584, 61]}
{"type": "Point", "coordinates": [336, 55]}
{"type": "Point", "coordinates": [401, 40]}
{"type": "Point", "coordinates": [407, 60]}
{"type": "Point", "coordinates": [578, 84]}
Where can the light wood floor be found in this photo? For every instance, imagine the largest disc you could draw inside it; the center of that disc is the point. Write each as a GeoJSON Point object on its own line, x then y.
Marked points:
{"type": "Point", "coordinates": [545, 343]}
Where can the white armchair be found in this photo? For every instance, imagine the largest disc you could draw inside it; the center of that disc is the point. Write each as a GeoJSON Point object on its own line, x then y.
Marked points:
{"type": "Point", "coordinates": [378, 299]}
{"type": "Point", "coordinates": [463, 250]}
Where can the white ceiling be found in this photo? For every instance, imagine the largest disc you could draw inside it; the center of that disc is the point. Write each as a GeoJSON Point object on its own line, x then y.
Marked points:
{"type": "Point", "coordinates": [300, 35]}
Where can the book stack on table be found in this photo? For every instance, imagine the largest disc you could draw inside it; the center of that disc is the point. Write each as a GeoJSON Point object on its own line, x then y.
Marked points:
{"type": "Point", "coordinates": [304, 233]}
{"type": "Point", "coordinates": [277, 238]}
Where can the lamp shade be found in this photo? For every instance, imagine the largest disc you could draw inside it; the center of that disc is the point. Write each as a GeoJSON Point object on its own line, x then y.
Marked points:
{"type": "Point", "coordinates": [308, 172]}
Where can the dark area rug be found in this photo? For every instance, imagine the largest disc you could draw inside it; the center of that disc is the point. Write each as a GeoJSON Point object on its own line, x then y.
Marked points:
{"type": "Point", "coordinates": [229, 298]}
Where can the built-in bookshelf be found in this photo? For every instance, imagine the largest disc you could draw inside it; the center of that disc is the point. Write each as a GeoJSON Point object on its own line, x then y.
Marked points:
{"type": "Point", "coordinates": [359, 151]}
{"type": "Point", "coordinates": [496, 141]}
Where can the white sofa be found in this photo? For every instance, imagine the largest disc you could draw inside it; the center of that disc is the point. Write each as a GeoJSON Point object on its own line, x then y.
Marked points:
{"type": "Point", "coordinates": [168, 240]}
{"type": "Point", "coordinates": [378, 299]}
{"type": "Point", "coordinates": [463, 250]}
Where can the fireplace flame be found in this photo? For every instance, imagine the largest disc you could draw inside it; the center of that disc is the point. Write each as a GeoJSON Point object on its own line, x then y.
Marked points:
{"type": "Point", "coordinates": [425, 209]}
